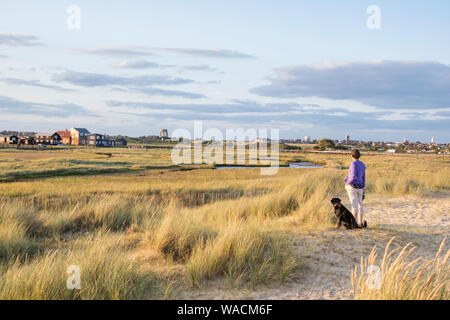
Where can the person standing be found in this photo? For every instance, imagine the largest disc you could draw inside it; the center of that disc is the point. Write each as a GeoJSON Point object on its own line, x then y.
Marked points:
{"type": "Point", "coordinates": [355, 184]}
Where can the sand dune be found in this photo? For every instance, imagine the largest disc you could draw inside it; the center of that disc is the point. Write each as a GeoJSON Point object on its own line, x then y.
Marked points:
{"type": "Point", "coordinates": [329, 255]}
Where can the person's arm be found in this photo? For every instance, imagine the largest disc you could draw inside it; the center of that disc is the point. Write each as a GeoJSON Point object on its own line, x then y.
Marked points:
{"type": "Point", "coordinates": [351, 174]}
{"type": "Point", "coordinates": [364, 178]}
{"type": "Point", "coordinates": [364, 183]}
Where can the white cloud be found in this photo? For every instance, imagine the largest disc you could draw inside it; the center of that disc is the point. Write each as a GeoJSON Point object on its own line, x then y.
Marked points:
{"type": "Point", "coordinates": [18, 40]}
{"type": "Point", "coordinates": [87, 79]}
{"type": "Point", "coordinates": [140, 64]}
{"type": "Point", "coordinates": [130, 51]}
{"type": "Point", "coordinates": [383, 84]}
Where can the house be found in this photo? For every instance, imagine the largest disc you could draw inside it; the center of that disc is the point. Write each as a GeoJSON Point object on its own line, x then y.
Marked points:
{"type": "Point", "coordinates": [113, 143]}
{"type": "Point", "coordinates": [117, 142]}
{"type": "Point", "coordinates": [29, 140]}
{"type": "Point", "coordinates": [66, 136]}
{"type": "Point", "coordinates": [3, 139]}
{"type": "Point", "coordinates": [9, 139]}
{"type": "Point", "coordinates": [120, 142]}
{"type": "Point", "coordinates": [47, 138]}
{"type": "Point", "coordinates": [14, 139]}
{"type": "Point", "coordinates": [97, 140]}
{"type": "Point", "coordinates": [79, 136]}
{"type": "Point", "coordinates": [391, 150]}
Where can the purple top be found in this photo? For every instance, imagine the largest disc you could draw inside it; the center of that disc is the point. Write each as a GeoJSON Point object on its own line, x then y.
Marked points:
{"type": "Point", "coordinates": [356, 173]}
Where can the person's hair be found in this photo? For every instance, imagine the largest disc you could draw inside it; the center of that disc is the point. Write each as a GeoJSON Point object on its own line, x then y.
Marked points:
{"type": "Point", "coordinates": [356, 154]}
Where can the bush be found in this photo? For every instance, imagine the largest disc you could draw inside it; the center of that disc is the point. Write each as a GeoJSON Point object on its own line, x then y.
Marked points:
{"type": "Point", "coordinates": [325, 144]}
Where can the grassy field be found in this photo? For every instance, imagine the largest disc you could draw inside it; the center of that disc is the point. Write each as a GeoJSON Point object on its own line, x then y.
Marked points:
{"type": "Point", "coordinates": [140, 227]}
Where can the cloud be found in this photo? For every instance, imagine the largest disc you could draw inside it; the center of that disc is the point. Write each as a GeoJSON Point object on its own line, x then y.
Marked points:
{"type": "Point", "coordinates": [383, 84]}
{"type": "Point", "coordinates": [135, 51]}
{"type": "Point", "coordinates": [307, 119]}
{"type": "Point", "coordinates": [210, 82]}
{"type": "Point", "coordinates": [115, 52]}
{"type": "Point", "coordinates": [136, 84]}
{"type": "Point", "coordinates": [99, 79]}
{"type": "Point", "coordinates": [18, 40]}
{"type": "Point", "coordinates": [23, 69]}
{"type": "Point", "coordinates": [151, 91]}
{"type": "Point", "coordinates": [442, 114]}
{"type": "Point", "coordinates": [13, 106]}
{"type": "Point", "coordinates": [3, 56]}
{"type": "Point", "coordinates": [140, 64]}
{"type": "Point", "coordinates": [207, 53]}
{"type": "Point", "coordinates": [197, 110]}
{"type": "Point", "coordinates": [202, 67]}
{"type": "Point", "coordinates": [33, 83]}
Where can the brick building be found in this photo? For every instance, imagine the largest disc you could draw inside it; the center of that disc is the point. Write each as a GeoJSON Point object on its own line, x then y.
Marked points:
{"type": "Point", "coordinates": [66, 136]}
{"type": "Point", "coordinates": [79, 136]}
{"type": "Point", "coordinates": [47, 138]}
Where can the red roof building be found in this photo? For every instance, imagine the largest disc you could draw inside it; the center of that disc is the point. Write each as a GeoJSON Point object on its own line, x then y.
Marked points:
{"type": "Point", "coordinates": [66, 137]}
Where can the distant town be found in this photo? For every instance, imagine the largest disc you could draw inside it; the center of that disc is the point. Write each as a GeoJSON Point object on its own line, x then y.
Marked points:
{"type": "Point", "coordinates": [83, 137]}
{"type": "Point", "coordinates": [74, 136]}
{"type": "Point", "coordinates": [381, 146]}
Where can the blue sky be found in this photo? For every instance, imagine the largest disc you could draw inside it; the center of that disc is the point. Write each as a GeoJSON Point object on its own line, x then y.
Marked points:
{"type": "Point", "coordinates": [305, 67]}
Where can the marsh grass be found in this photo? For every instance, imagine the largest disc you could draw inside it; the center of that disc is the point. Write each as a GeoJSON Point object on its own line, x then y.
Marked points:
{"type": "Point", "coordinates": [106, 273]}
{"type": "Point", "coordinates": [178, 235]}
{"type": "Point", "coordinates": [244, 255]}
{"type": "Point", "coordinates": [14, 242]}
{"type": "Point", "coordinates": [17, 228]}
{"type": "Point", "coordinates": [206, 224]}
{"type": "Point", "coordinates": [403, 278]}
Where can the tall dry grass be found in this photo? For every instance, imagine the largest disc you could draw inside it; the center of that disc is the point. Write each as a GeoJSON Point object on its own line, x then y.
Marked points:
{"type": "Point", "coordinates": [17, 229]}
{"type": "Point", "coordinates": [206, 224]}
{"type": "Point", "coordinates": [179, 234]}
{"type": "Point", "coordinates": [239, 251]}
{"type": "Point", "coordinates": [402, 278]}
{"type": "Point", "coordinates": [106, 272]}
{"type": "Point", "coordinates": [243, 254]}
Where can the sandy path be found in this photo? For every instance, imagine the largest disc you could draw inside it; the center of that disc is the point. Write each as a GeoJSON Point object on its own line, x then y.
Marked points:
{"type": "Point", "coordinates": [328, 256]}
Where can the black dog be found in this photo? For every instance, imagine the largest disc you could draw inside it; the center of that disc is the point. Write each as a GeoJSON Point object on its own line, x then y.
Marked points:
{"type": "Point", "coordinates": [344, 215]}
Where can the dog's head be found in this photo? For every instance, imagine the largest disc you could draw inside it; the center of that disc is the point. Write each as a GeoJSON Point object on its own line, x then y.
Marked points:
{"type": "Point", "coordinates": [335, 201]}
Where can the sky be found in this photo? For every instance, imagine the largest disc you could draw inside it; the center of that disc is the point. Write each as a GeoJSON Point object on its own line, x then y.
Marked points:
{"type": "Point", "coordinates": [308, 68]}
